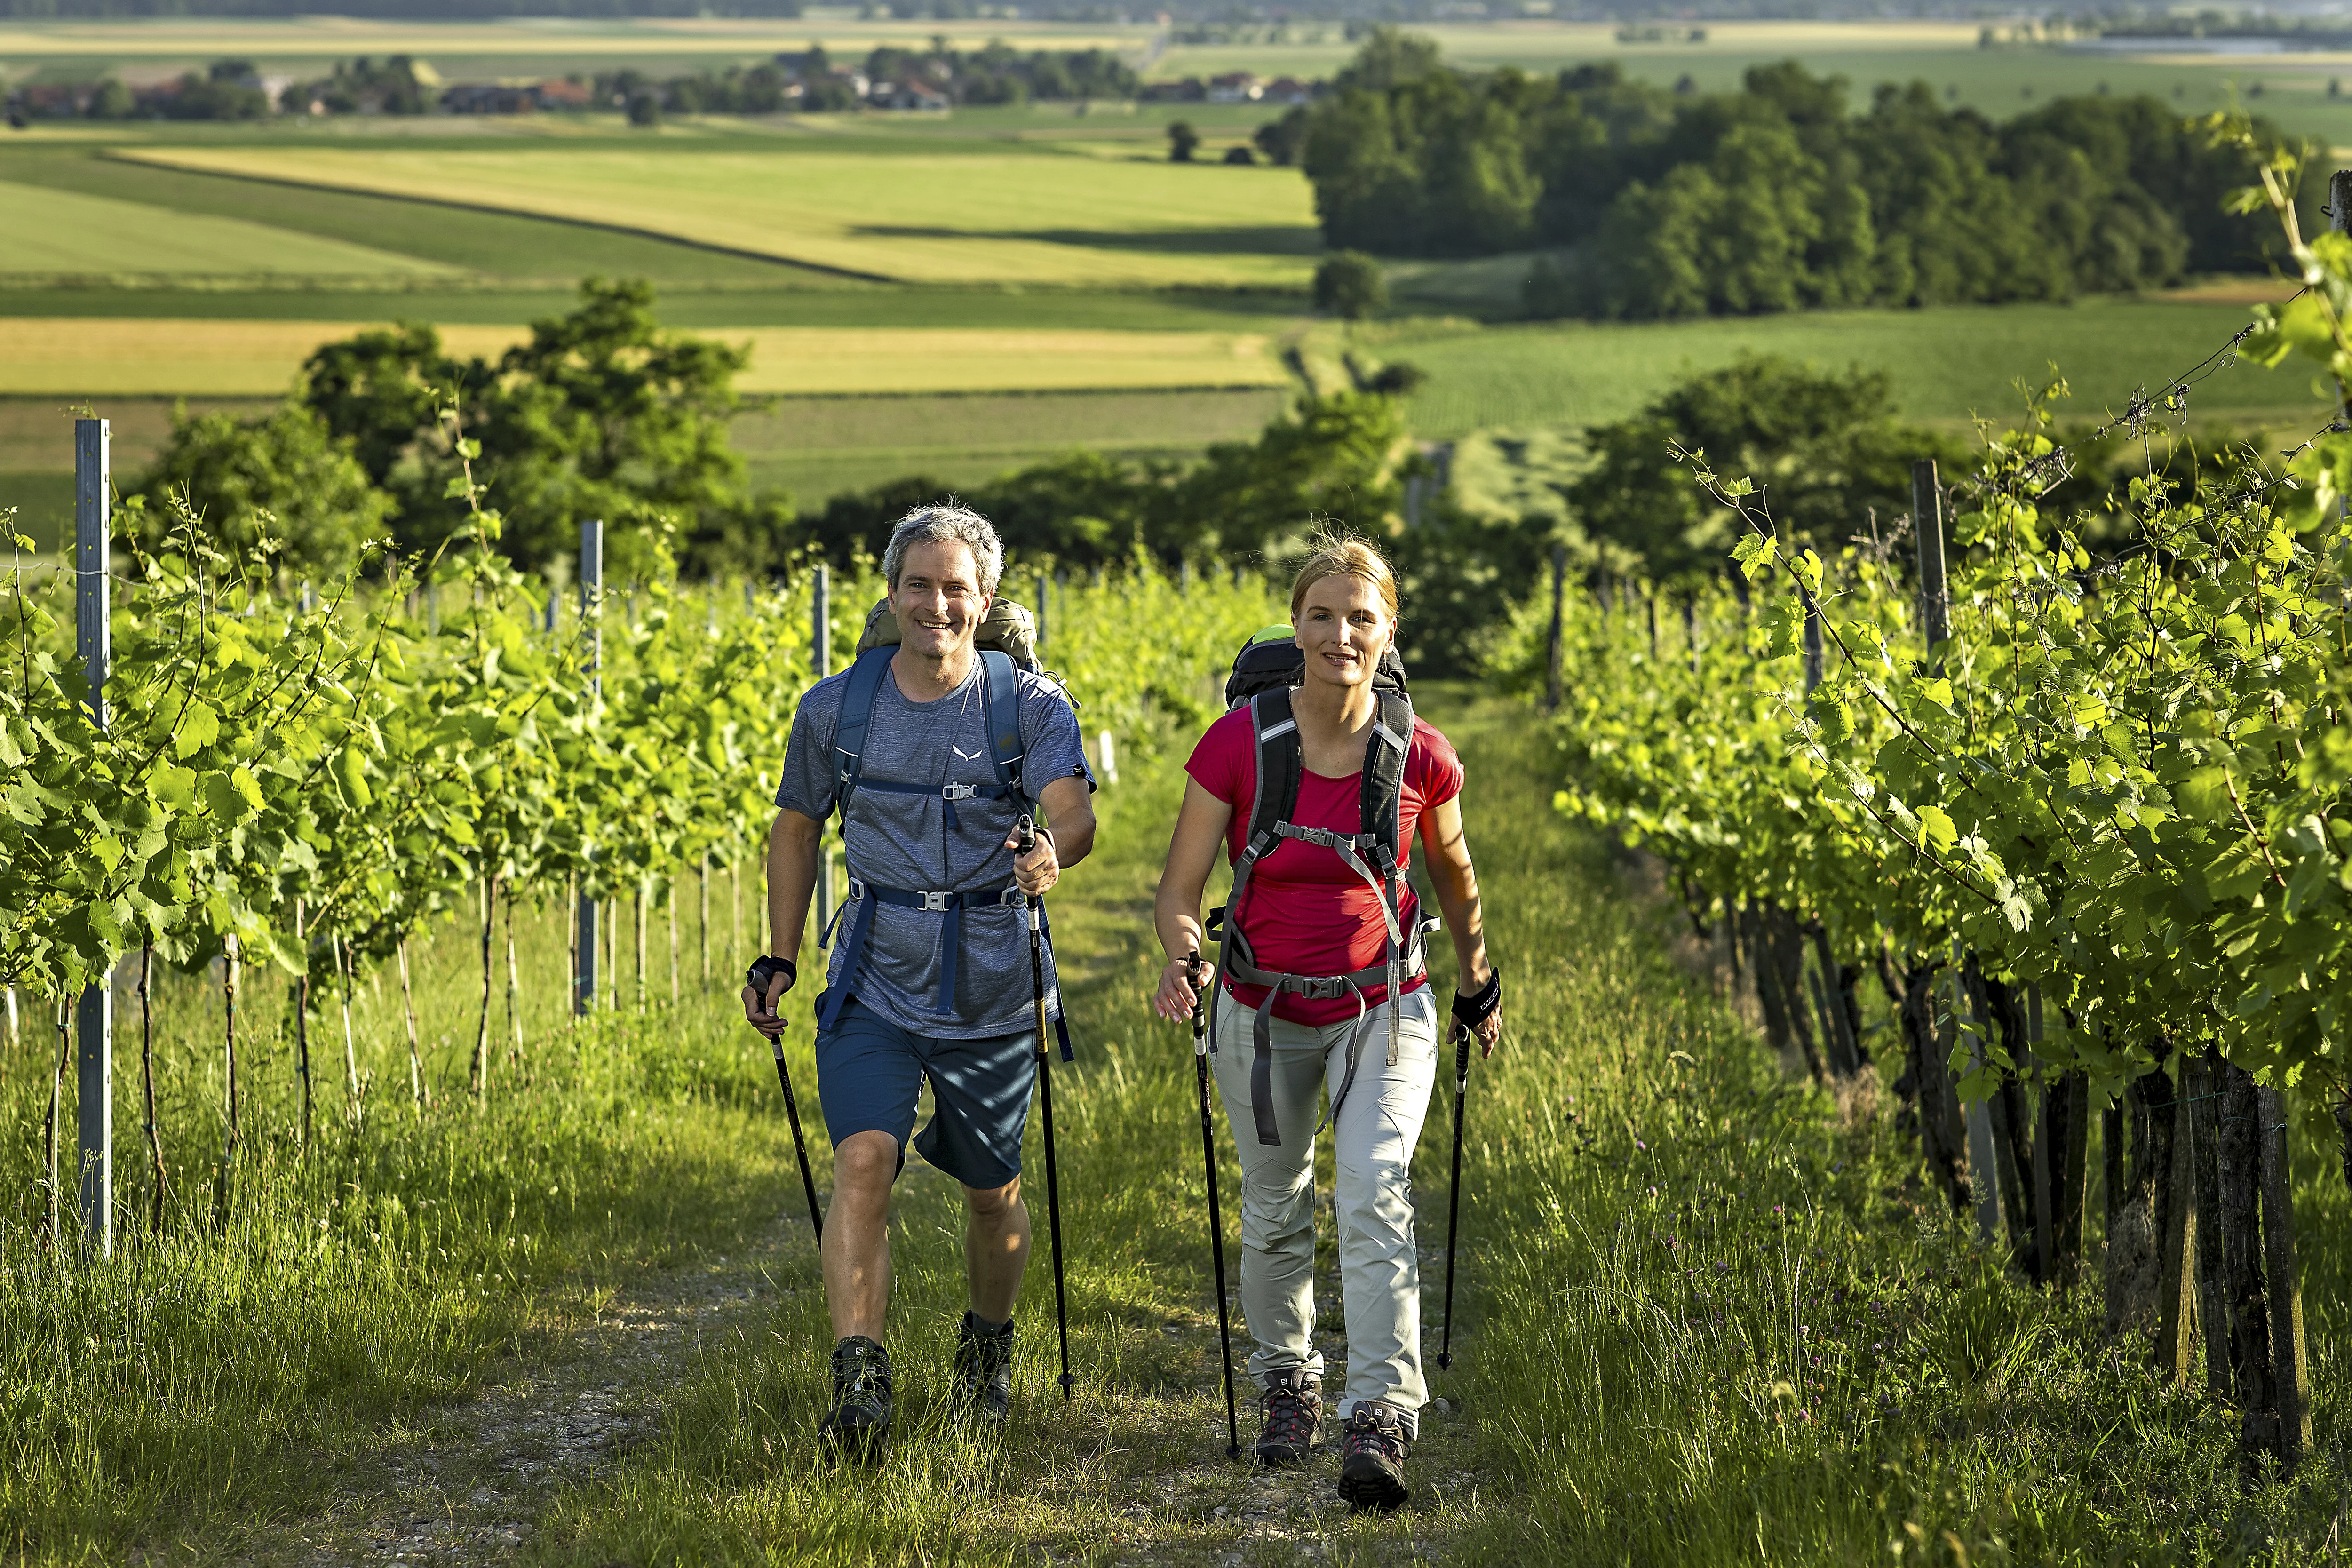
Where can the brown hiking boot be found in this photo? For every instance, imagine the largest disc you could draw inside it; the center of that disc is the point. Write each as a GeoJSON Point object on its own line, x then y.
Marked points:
{"type": "Point", "coordinates": [1371, 1467]}
{"type": "Point", "coordinates": [1290, 1419]}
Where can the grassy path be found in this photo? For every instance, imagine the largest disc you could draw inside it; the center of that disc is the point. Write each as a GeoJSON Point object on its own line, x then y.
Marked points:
{"type": "Point", "coordinates": [1710, 1317]}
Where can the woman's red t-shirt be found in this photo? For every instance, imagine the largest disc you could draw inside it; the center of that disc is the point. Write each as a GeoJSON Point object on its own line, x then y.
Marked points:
{"type": "Point", "coordinates": [1306, 912]}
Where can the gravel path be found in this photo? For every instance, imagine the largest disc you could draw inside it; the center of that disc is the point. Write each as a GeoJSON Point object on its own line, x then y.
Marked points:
{"type": "Point", "coordinates": [466, 1487]}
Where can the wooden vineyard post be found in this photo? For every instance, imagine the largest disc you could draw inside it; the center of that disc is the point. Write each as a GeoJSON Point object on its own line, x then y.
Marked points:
{"type": "Point", "coordinates": [2176, 1303]}
{"type": "Point", "coordinates": [1829, 997]}
{"type": "Point", "coordinates": [1936, 628]}
{"type": "Point", "coordinates": [477, 1075]}
{"type": "Point", "coordinates": [1551, 645]}
{"type": "Point", "coordinates": [94, 1015]}
{"type": "Point", "coordinates": [419, 1095]}
{"type": "Point", "coordinates": [2239, 1145]}
{"type": "Point", "coordinates": [820, 665]}
{"type": "Point", "coordinates": [159, 1173]}
{"type": "Point", "coordinates": [702, 887]}
{"type": "Point", "coordinates": [2201, 1099]}
{"type": "Point", "coordinates": [1040, 611]}
{"type": "Point", "coordinates": [591, 610]}
{"type": "Point", "coordinates": [514, 991]}
{"type": "Point", "coordinates": [2290, 1358]}
{"type": "Point", "coordinates": [1984, 1164]}
{"type": "Point", "coordinates": [351, 1045]}
{"type": "Point", "coordinates": [1813, 644]}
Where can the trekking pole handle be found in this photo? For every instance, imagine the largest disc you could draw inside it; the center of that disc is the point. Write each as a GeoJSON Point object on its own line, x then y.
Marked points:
{"type": "Point", "coordinates": [1460, 1058]}
{"type": "Point", "coordinates": [1026, 836]}
{"type": "Point", "coordinates": [1200, 1011]}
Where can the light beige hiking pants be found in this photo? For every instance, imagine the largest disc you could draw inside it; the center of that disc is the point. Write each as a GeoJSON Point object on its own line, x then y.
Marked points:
{"type": "Point", "coordinates": [1372, 1142]}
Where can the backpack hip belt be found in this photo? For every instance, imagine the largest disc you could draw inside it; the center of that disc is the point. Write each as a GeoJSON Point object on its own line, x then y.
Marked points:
{"type": "Point", "coordinates": [1373, 855]}
{"type": "Point", "coordinates": [865, 895]}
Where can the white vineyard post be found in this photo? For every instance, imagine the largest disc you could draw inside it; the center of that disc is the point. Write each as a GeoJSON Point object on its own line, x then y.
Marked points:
{"type": "Point", "coordinates": [591, 598]}
{"type": "Point", "coordinates": [1109, 760]}
{"type": "Point", "coordinates": [821, 664]}
{"type": "Point", "coordinates": [94, 1021]}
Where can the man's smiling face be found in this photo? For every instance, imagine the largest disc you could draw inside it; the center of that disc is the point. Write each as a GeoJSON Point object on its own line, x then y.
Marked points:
{"type": "Point", "coordinates": [937, 601]}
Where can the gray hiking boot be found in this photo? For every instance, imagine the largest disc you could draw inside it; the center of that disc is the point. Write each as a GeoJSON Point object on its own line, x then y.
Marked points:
{"type": "Point", "coordinates": [859, 1424]}
{"type": "Point", "coordinates": [1373, 1454]}
{"type": "Point", "coordinates": [983, 1371]}
{"type": "Point", "coordinates": [1290, 1417]}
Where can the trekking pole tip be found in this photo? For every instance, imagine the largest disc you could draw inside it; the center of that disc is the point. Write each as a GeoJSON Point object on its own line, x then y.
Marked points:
{"type": "Point", "coordinates": [1445, 1360]}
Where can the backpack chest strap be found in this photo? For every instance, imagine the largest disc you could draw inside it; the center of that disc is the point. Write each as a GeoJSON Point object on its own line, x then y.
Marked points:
{"type": "Point", "coordinates": [947, 794]}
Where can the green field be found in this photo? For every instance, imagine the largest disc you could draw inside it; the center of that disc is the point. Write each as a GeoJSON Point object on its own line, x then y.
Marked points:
{"type": "Point", "coordinates": [989, 270]}
{"type": "Point", "coordinates": [65, 234]}
{"type": "Point", "coordinates": [1072, 221]}
{"type": "Point", "coordinates": [1950, 364]}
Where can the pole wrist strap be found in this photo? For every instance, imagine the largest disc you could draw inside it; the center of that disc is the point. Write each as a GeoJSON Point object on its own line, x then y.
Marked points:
{"type": "Point", "coordinates": [1472, 1010]}
{"type": "Point", "coordinates": [766, 968]}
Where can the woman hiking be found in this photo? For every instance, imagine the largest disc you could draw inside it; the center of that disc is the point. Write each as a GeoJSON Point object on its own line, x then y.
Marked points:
{"type": "Point", "coordinates": [1321, 985]}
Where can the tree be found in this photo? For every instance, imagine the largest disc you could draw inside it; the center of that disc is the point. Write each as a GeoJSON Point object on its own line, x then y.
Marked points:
{"type": "Point", "coordinates": [1182, 140]}
{"type": "Point", "coordinates": [281, 483]}
{"type": "Point", "coordinates": [1824, 448]}
{"type": "Point", "coordinates": [1281, 139]}
{"type": "Point", "coordinates": [601, 414]}
{"type": "Point", "coordinates": [1347, 284]}
{"type": "Point", "coordinates": [645, 110]}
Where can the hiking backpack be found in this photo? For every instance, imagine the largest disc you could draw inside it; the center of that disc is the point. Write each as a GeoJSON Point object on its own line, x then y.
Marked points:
{"type": "Point", "coordinates": [1269, 667]}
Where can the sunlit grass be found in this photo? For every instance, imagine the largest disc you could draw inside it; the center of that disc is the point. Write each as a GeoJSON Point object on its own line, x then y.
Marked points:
{"type": "Point", "coordinates": [1704, 1316]}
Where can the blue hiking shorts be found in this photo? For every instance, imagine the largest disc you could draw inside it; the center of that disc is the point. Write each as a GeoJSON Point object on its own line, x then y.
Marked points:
{"type": "Point", "coordinates": [870, 1072]}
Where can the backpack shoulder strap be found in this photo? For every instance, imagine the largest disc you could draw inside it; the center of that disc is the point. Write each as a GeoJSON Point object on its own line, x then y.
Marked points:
{"type": "Point", "coordinates": [1280, 760]}
{"type": "Point", "coordinates": [857, 695]}
{"type": "Point", "coordinates": [1000, 680]}
{"type": "Point", "coordinates": [1380, 806]}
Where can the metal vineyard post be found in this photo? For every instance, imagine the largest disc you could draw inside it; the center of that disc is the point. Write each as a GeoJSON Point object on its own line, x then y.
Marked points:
{"type": "Point", "coordinates": [94, 1019]}
{"type": "Point", "coordinates": [592, 594]}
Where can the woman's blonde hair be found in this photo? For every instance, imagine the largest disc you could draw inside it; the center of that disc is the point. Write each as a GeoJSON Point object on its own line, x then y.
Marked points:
{"type": "Point", "coordinates": [1344, 555]}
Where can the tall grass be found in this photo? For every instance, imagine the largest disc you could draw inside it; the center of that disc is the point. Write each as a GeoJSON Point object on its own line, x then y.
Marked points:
{"type": "Point", "coordinates": [293, 1298]}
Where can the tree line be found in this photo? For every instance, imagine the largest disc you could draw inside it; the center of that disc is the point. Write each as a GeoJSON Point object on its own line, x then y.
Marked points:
{"type": "Point", "coordinates": [603, 414]}
{"type": "Point", "coordinates": [1654, 203]}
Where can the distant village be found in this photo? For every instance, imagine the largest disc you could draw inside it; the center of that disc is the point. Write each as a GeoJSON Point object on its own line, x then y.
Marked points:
{"type": "Point", "coordinates": [936, 80]}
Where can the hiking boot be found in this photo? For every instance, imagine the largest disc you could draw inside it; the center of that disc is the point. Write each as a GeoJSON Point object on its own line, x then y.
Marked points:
{"type": "Point", "coordinates": [983, 1371]}
{"type": "Point", "coordinates": [1371, 1465]}
{"type": "Point", "coordinates": [859, 1424]}
{"type": "Point", "coordinates": [1290, 1419]}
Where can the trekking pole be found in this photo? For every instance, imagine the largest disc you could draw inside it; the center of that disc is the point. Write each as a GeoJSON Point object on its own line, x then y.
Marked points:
{"type": "Point", "coordinates": [800, 1145]}
{"type": "Point", "coordinates": [1216, 1223]}
{"type": "Point", "coordinates": [1036, 903]}
{"type": "Point", "coordinates": [1454, 1191]}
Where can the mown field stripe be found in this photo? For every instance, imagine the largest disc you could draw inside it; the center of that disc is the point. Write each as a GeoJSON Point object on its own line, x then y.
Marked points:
{"type": "Point", "coordinates": [163, 159]}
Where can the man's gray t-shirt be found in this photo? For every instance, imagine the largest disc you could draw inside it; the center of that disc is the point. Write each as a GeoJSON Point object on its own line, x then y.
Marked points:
{"type": "Point", "coordinates": [897, 840]}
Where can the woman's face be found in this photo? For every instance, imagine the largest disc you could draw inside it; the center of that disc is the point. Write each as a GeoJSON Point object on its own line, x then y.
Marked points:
{"type": "Point", "coordinates": [1343, 629]}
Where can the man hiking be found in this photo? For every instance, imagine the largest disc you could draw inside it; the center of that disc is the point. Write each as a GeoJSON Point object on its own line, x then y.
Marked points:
{"type": "Point", "coordinates": [934, 754]}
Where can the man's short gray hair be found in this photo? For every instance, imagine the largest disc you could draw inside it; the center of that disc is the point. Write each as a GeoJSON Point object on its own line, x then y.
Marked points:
{"type": "Point", "coordinates": [947, 524]}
